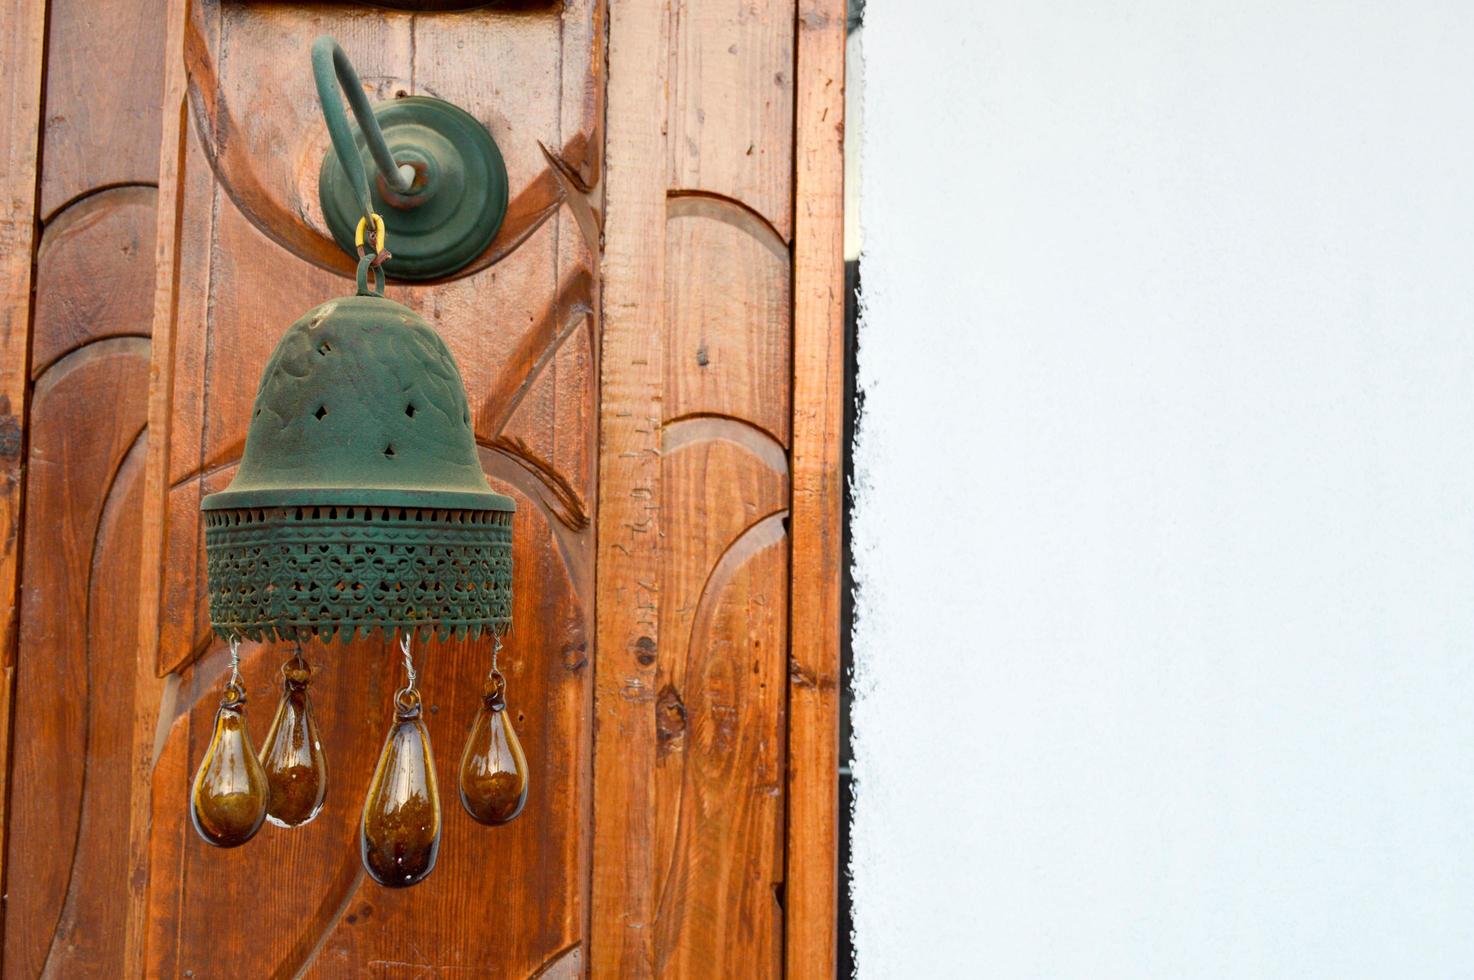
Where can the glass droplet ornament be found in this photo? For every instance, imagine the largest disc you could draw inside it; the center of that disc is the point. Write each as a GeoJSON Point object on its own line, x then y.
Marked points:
{"type": "Point", "coordinates": [493, 774]}
{"type": "Point", "coordinates": [228, 798]}
{"type": "Point", "coordinates": [292, 756]}
{"type": "Point", "coordinates": [399, 835]}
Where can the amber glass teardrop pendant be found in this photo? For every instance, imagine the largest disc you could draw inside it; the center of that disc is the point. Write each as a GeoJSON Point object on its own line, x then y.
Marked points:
{"type": "Point", "coordinates": [292, 756]}
{"type": "Point", "coordinates": [493, 777]}
{"type": "Point", "coordinates": [228, 802]}
{"type": "Point", "coordinates": [400, 834]}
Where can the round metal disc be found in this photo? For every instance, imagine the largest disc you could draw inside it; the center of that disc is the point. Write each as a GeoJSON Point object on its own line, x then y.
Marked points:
{"type": "Point", "coordinates": [458, 200]}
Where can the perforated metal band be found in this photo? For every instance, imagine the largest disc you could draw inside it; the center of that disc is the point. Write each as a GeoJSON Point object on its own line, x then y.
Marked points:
{"type": "Point", "coordinates": [288, 572]}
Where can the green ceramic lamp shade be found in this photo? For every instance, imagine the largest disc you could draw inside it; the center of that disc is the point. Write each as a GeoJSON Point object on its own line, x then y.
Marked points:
{"type": "Point", "coordinates": [359, 503]}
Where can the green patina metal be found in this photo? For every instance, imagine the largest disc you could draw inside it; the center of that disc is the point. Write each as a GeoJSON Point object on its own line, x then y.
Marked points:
{"type": "Point", "coordinates": [439, 180]}
{"type": "Point", "coordinates": [360, 503]}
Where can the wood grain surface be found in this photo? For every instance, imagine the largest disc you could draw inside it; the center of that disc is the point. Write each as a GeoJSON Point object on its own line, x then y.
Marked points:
{"type": "Point", "coordinates": [814, 680]}
{"type": "Point", "coordinates": [81, 369]}
{"type": "Point", "coordinates": [652, 362]}
{"type": "Point", "coordinates": [22, 62]}
{"type": "Point", "coordinates": [104, 72]}
{"type": "Point", "coordinates": [691, 688]}
{"type": "Point", "coordinates": [506, 901]}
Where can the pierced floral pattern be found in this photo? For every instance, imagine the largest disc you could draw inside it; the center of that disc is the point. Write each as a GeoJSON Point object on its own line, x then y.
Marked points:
{"type": "Point", "coordinates": [288, 572]}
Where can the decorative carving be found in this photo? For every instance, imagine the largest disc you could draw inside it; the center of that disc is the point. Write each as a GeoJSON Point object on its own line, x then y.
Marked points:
{"type": "Point", "coordinates": [280, 218]}
{"type": "Point", "coordinates": [250, 256]}
{"type": "Point", "coordinates": [344, 565]}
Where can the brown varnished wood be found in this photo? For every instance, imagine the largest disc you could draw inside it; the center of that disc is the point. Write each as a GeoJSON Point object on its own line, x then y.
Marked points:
{"type": "Point", "coordinates": [720, 295]}
{"type": "Point", "coordinates": [149, 691]}
{"type": "Point", "coordinates": [693, 596]}
{"type": "Point", "coordinates": [67, 810]}
{"type": "Point", "coordinates": [177, 405]}
{"type": "Point", "coordinates": [507, 901]}
{"type": "Point", "coordinates": [680, 835]}
{"type": "Point", "coordinates": [103, 76]}
{"type": "Point", "coordinates": [96, 273]}
{"type": "Point", "coordinates": [818, 447]}
{"type": "Point", "coordinates": [68, 826]}
{"type": "Point", "coordinates": [730, 336]}
{"type": "Point", "coordinates": [22, 52]}
{"type": "Point", "coordinates": [731, 111]}
{"type": "Point", "coordinates": [630, 520]}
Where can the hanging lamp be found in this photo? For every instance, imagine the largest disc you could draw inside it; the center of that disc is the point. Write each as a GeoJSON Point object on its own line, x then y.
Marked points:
{"type": "Point", "coordinates": [359, 504]}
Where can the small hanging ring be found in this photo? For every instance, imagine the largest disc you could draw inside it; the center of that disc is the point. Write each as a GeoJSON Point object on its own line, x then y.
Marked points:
{"type": "Point", "coordinates": [379, 239]}
{"type": "Point", "coordinates": [407, 700]}
{"type": "Point", "coordinates": [296, 671]}
{"type": "Point", "coordinates": [364, 265]}
{"type": "Point", "coordinates": [496, 690]}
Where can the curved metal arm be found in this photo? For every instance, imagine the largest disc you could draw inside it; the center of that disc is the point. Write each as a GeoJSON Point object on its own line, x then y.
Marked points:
{"type": "Point", "coordinates": [329, 60]}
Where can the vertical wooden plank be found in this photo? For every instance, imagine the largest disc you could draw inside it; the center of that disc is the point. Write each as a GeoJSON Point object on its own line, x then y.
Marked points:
{"type": "Point", "coordinates": [73, 628]}
{"type": "Point", "coordinates": [22, 53]}
{"type": "Point", "coordinates": [629, 531]}
{"type": "Point", "coordinates": [148, 688]}
{"type": "Point", "coordinates": [818, 434]}
{"type": "Point", "coordinates": [102, 98]}
{"type": "Point", "coordinates": [67, 851]}
{"type": "Point", "coordinates": [693, 575]}
{"type": "Point", "coordinates": [731, 111]}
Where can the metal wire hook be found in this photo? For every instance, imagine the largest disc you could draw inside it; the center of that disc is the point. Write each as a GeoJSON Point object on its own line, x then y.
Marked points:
{"type": "Point", "coordinates": [235, 690]}
{"type": "Point", "coordinates": [332, 70]}
{"type": "Point", "coordinates": [409, 663]}
{"type": "Point", "coordinates": [235, 662]}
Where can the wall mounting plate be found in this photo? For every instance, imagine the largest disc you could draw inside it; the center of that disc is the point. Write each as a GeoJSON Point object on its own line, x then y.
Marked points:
{"type": "Point", "coordinates": [458, 199]}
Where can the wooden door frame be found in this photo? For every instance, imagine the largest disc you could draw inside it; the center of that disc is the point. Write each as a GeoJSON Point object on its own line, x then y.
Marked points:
{"type": "Point", "coordinates": [815, 678]}
{"type": "Point", "coordinates": [644, 47]}
{"type": "Point", "coordinates": [22, 57]}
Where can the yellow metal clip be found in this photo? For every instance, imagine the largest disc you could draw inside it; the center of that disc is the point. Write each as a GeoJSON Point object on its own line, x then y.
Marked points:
{"type": "Point", "coordinates": [380, 236]}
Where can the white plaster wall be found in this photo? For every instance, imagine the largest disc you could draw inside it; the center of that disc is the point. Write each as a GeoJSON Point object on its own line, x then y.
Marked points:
{"type": "Point", "coordinates": [1165, 532]}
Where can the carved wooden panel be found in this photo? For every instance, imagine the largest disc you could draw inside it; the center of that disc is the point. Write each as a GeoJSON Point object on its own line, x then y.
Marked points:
{"type": "Point", "coordinates": [693, 556]}
{"type": "Point", "coordinates": [252, 254]}
{"type": "Point", "coordinates": [70, 766]}
{"type": "Point", "coordinates": [104, 76]}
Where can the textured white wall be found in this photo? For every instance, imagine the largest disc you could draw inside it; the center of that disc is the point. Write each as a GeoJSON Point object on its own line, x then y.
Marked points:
{"type": "Point", "coordinates": [1166, 521]}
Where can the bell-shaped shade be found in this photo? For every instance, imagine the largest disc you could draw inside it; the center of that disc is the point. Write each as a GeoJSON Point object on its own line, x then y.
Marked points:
{"type": "Point", "coordinates": [360, 502]}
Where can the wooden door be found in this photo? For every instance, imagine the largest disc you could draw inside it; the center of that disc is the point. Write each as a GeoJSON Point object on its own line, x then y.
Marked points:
{"type": "Point", "coordinates": [651, 347]}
